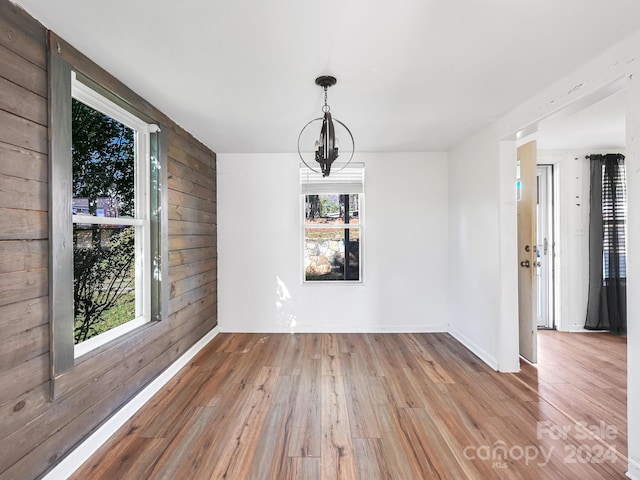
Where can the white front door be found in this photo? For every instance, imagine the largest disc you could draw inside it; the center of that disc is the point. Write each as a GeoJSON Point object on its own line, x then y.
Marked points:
{"type": "Point", "coordinates": [527, 258]}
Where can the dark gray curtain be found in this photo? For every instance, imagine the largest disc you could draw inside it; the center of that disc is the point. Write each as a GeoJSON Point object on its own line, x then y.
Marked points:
{"type": "Point", "coordinates": [607, 302]}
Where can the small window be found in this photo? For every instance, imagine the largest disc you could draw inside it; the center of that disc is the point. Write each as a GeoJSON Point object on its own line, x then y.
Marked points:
{"type": "Point", "coordinates": [332, 225]}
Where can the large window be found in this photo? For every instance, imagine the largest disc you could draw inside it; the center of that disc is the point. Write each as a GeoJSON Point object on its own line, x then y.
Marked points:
{"type": "Point", "coordinates": [107, 219]}
{"type": "Point", "coordinates": [332, 225]}
{"type": "Point", "coordinates": [111, 227]}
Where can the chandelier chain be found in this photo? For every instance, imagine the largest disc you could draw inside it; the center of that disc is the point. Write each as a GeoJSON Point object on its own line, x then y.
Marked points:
{"type": "Point", "coordinates": [326, 108]}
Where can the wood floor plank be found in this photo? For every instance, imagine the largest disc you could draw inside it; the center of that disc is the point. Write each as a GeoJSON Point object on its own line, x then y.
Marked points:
{"type": "Point", "coordinates": [394, 452]}
{"type": "Point", "coordinates": [351, 364]}
{"type": "Point", "coordinates": [285, 351]}
{"type": "Point", "coordinates": [204, 454]}
{"type": "Point", "coordinates": [270, 459]}
{"type": "Point", "coordinates": [367, 354]}
{"type": "Point", "coordinates": [370, 459]}
{"type": "Point", "coordinates": [402, 391]}
{"type": "Point", "coordinates": [407, 444]}
{"type": "Point", "coordinates": [336, 447]}
{"type": "Point", "coordinates": [276, 350]}
{"type": "Point", "coordinates": [377, 390]}
{"type": "Point", "coordinates": [422, 430]}
{"type": "Point", "coordinates": [362, 420]}
{"type": "Point", "coordinates": [303, 468]}
{"type": "Point", "coordinates": [122, 465]}
{"type": "Point", "coordinates": [313, 346]}
{"type": "Point", "coordinates": [378, 406]}
{"type": "Point", "coordinates": [171, 463]}
{"type": "Point", "coordinates": [217, 382]}
{"type": "Point", "coordinates": [330, 355]}
{"type": "Point", "coordinates": [306, 408]}
{"type": "Point", "coordinates": [170, 408]}
{"type": "Point", "coordinates": [235, 459]}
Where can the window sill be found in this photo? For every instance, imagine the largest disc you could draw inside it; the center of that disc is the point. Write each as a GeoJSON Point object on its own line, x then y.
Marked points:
{"type": "Point", "coordinates": [333, 283]}
{"type": "Point", "coordinates": [98, 343]}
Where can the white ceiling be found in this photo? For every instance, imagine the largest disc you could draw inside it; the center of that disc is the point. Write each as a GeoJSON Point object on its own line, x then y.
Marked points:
{"type": "Point", "coordinates": [413, 75]}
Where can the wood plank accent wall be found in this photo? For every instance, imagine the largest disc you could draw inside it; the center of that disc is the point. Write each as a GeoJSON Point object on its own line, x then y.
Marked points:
{"type": "Point", "coordinates": [35, 431]}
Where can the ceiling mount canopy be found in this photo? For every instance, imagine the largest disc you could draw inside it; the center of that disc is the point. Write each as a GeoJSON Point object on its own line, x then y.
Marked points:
{"type": "Point", "coordinates": [326, 144]}
{"type": "Point", "coordinates": [326, 81]}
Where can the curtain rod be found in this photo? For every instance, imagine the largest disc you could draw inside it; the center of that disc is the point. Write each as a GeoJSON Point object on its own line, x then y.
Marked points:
{"type": "Point", "coordinates": [599, 156]}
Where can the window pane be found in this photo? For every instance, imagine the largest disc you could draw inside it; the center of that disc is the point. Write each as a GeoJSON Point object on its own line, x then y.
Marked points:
{"type": "Point", "coordinates": [331, 209]}
{"type": "Point", "coordinates": [103, 164]}
{"type": "Point", "coordinates": [614, 219]}
{"type": "Point", "coordinates": [104, 278]}
{"type": "Point", "coordinates": [325, 254]}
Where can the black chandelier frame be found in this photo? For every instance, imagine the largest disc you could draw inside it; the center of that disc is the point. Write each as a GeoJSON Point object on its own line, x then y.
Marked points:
{"type": "Point", "coordinates": [327, 120]}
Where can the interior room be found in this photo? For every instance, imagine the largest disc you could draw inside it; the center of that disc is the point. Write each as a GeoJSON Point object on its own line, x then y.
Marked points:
{"type": "Point", "coordinates": [181, 247]}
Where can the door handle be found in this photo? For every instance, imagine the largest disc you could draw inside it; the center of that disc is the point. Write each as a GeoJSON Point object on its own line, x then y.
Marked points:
{"type": "Point", "coordinates": [525, 264]}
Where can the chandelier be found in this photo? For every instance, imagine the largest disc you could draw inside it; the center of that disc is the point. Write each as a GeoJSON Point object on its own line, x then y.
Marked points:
{"type": "Point", "coordinates": [326, 145]}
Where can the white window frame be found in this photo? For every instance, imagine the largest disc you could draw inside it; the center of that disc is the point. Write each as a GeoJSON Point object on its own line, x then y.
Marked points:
{"type": "Point", "coordinates": [140, 221]}
{"type": "Point", "coordinates": [341, 181]}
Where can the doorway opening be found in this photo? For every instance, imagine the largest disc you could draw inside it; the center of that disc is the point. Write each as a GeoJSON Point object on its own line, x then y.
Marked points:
{"type": "Point", "coordinates": [575, 138]}
{"type": "Point", "coordinates": [594, 124]}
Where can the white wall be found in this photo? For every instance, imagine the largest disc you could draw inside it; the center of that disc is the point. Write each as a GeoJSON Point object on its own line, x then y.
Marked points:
{"type": "Point", "coordinates": [476, 198]}
{"type": "Point", "coordinates": [474, 224]}
{"type": "Point", "coordinates": [633, 271]}
{"type": "Point", "coordinates": [404, 248]}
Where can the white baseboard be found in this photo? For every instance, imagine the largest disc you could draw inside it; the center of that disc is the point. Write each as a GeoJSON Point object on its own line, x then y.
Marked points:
{"type": "Point", "coordinates": [581, 329]}
{"type": "Point", "coordinates": [443, 328]}
{"type": "Point", "coordinates": [481, 353]}
{"type": "Point", "coordinates": [69, 464]}
{"type": "Point", "coordinates": [634, 469]}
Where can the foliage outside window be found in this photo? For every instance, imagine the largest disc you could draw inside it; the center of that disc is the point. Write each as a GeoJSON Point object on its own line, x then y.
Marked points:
{"type": "Point", "coordinates": [103, 152]}
{"type": "Point", "coordinates": [332, 237]}
{"type": "Point", "coordinates": [110, 183]}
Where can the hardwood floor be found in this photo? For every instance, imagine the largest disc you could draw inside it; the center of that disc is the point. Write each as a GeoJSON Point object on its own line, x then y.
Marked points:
{"type": "Point", "coordinates": [378, 406]}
